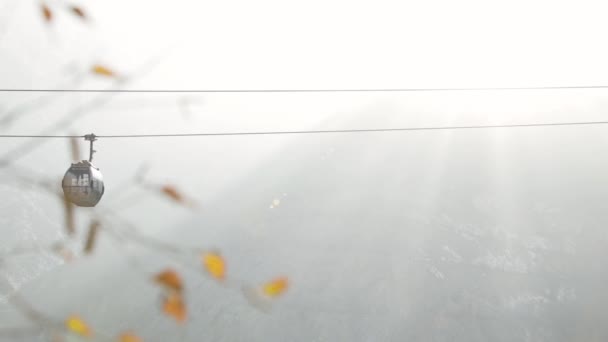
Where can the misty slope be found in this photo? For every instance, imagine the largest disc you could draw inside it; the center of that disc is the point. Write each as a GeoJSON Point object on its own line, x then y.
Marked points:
{"type": "Point", "coordinates": [25, 225]}
{"type": "Point", "coordinates": [446, 236]}
{"type": "Point", "coordinates": [443, 236]}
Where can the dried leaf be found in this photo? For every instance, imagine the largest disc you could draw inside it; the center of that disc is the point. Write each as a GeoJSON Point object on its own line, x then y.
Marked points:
{"type": "Point", "coordinates": [91, 236]}
{"type": "Point", "coordinates": [178, 197]}
{"type": "Point", "coordinates": [275, 287]}
{"type": "Point", "coordinates": [170, 279]}
{"type": "Point", "coordinates": [129, 337]}
{"type": "Point", "coordinates": [172, 193]}
{"type": "Point", "coordinates": [78, 12]}
{"type": "Point", "coordinates": [76, 325]}
{"type": "Point", "coordinates": [75, 149]}
{"type": "Point", "coordinates": [47, 13]}
{"type": "Point", "coordinates": [215, 265]}
{"type": "Point", "coordinates": [103, 71]}
{"type": "Point", "coordinates": [174, 305]}
{"type": "Point", "coordinates": [70, 225]}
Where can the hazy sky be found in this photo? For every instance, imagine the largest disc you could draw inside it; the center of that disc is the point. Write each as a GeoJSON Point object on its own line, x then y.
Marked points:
{"type": "Point", "coordinates": [232, 44]}
{"type": "Point", "coordinates": [315, 44]}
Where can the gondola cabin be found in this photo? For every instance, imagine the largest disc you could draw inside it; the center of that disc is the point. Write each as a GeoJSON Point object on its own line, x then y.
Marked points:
{"type": "Point", "coordinates": [83, 184]}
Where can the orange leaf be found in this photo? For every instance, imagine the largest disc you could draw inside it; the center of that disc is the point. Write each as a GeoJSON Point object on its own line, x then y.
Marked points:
{"type": "Point", "coordinates": [215, 265]}
{"type": "Point", "coordinates": [174, 305]}
{"type": "Point", "coordinates": [172, 193]}
{"type": "Point", "coordinates": [103, 71]}
{"type": "Point", "coordinates": [129, 337]}
{"type": "Point", "coordinates": [76, 325]}
{"type": "Point", "coordinates": [170, 279]}
{"type": "Point", "coordinates": [46, 12]}
{"type": "Point", "coordinates": [175, 195]}
{"type": "Point", "coordinates": [275, 287]}
{"type": "Point", "coordinates": [78, 12]}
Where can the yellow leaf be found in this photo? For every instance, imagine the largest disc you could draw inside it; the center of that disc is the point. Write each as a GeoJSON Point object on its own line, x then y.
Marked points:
{"type": "Point", "coordinates": [47, 13]}
{"type": "Point", "coordinates": [129, 337]}
{"type": "Point", "coordinates": [215, 265]}
{"type": "Point", "coordinates": [76, 325]}
{"type": "Point", "coordinates": [275, 287]}
{"type": "Point", "coordinates": [173, 305]}
{"type": "Point", "coordinates": [170, 279]}
{"type": "Point", "coordinates": [103, 71]}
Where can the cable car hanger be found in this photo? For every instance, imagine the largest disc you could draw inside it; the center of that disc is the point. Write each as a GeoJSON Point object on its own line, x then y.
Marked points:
{"type": "Point", "coordinates": [92, 138]}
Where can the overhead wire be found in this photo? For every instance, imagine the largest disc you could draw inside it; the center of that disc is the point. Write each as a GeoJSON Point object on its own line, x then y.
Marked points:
{"type": "Point", "coordinates": [330, 131]}
{"type": "Point", "coordinates": [328, 90]}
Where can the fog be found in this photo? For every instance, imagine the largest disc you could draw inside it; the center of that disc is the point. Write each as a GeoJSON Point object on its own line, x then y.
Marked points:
{"type": "Point", "coordinates": [453, 235]}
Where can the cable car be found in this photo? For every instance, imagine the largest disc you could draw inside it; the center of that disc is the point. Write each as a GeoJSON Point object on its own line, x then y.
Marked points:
{"type": "Point", "coordinates": [83, 183]}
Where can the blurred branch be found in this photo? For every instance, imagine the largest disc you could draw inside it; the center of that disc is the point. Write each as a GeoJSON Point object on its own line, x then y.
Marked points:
{"type": "Point", "coordinates": [123, 232]}
{"type": "Point", "coordinates": [132, 234]}
{"type": "Point", "coordinates": [29, 107]}
{"type": "Point", "coordinates": [78, 112]}
{"type": "Point", "coordinates": [67, 120]}
{"type": "Point", "coordinates": [105, 220]}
